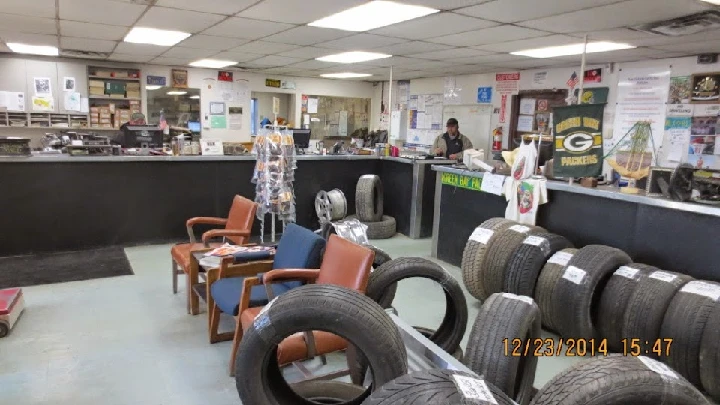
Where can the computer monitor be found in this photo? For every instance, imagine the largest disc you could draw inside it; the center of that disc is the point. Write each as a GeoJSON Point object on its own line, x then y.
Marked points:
{"type": "Point", "coordinates": [301, 138]}
{"type": "Point", "coordinates": [194, 126]}
{"type": "Point", "coordinates": [142, 136]}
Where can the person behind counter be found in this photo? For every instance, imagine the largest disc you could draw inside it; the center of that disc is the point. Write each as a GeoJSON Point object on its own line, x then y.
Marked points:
{"type": "Point", "coordinates": [452, 143]}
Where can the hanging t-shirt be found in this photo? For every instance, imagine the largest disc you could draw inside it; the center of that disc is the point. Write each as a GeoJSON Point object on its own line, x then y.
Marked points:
{"type": "Point", "coordinates": [525, 160]}
{"type": "Point", "coordinates": [524, 197]}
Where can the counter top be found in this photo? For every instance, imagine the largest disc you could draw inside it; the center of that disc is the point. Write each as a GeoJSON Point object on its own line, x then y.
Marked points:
{"type": "Point", "coordinates": [610, 192]}
{"type": "Point", "coordinates": [128, 158]}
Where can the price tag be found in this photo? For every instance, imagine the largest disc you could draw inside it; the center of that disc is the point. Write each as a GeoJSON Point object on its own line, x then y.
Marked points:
{"type": "Point", "coordinates": [481, 235]}
{"type": "Point", "coordinates": [260, 321]}
{"type": "Point", "coordinates": [627, 272]}
{"type": "Point", "coordinates": [474, 388]}
{"type": "Point", "coordinates": [520, 228]}
{"type": "Point", "coordinates": [658, 367]}
{"type": "Point", "coordinates": [561, 258]}
{"type": "Point", "coordinates": [574, 274]}
{"type": "Point", "coordinates": [663, 276]}
{"type": "Point", "coordinates": [540, 242]}
{"type": "Point", "coordinates": [522, 298]}
{"type": "Point", "coordinates": [709, 290]}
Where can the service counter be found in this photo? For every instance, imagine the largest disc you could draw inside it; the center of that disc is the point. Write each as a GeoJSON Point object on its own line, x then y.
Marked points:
{"type": "Point", "coordinates": [57, 203]}
{"type": "Point", "coordinates": [675, 236]}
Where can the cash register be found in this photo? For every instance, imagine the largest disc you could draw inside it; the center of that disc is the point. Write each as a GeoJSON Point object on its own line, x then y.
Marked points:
{"type": "Point", "coordinates": [141, 136]}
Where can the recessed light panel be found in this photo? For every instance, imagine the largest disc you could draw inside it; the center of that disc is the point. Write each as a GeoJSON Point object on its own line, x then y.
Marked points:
{"type": "Point", "coordinates": [153, 36]}
{"type": "Point", "coordinates": [353, 57]}
{"type": "Point", "coordinates": [33, 49]}
{"type": "Point", "coordinates": [347, 75]}
{"type": "Point", "coordinates": [374, 14]}
{"type": "Point", "coordinates": [574, 49]}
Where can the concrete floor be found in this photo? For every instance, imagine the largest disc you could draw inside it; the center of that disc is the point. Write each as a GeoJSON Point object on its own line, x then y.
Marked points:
{"type": "Point", "coordinates": [128, 340]}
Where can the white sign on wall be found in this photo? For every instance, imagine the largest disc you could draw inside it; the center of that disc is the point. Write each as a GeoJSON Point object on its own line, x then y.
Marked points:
{"type": "Point", "coordinates": [643, 86]}
{"type": "Point", "coordinates": [680, 110]}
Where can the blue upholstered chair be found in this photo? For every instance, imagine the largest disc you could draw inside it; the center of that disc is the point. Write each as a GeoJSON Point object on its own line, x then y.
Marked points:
{"type": "Point", "coordinates": [299, 248]}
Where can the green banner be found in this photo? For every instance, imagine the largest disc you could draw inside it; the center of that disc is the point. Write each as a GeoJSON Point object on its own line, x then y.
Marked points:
{"type": "Point", "coordinates": [578, 146]}
{"type": "Point", "coordinates": [595, 95]}
{"type": "Point", "coordinates": [462, 181]}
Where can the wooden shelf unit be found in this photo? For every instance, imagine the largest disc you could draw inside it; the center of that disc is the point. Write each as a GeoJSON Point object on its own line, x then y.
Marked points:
{"type": "Point", "coordinates": [43, 120]}
{"type": "Point", "coordinates": [114, 80]}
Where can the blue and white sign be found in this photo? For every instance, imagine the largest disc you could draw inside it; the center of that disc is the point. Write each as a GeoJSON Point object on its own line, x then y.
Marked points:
{"type": "Point", "coordinates": [157, 81]}
{"type": "Point", "coordinates": [484, 95]}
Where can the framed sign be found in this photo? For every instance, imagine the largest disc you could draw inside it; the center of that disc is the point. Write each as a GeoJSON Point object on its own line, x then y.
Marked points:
{"type": "Point", "coordinates": [706, 88]}
{"type": "Point", "coordinates": [179, 79]}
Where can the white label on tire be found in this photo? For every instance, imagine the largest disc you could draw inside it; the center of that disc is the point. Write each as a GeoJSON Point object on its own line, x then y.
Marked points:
{"type": "Point", "coordinates": [260, 321]}
{"type": "Point", "coordinates": [663, 276]}
{"type": "Point", "coordinates": [627, 272]}
{"type": "Point", "coordinates": [474, 388]}
{"type": "Point", "coordinates": [481, 235]}
{"type": "Point", "coordinates": [709, 290]}
{"type": "Point", "coordinates": [520, 228]}
{"type": "Point", "coordinates": [561, 258]}
{"type": "Point", "coordinates": [522, 298]}
{"type": "Point", "coordinates": [658, 367]}
{"type": "Point", "coordinates": [540, 242]}
{"type": "Point", "coordinates": [575, 275]}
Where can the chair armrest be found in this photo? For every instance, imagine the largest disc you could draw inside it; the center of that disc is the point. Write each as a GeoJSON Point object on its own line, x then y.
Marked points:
{"type": "Point", "coordinates": [248, 284]}
{"type": "Point", "coordinates": [216, 233]}
{"type": "Point", "coordinates": [229, 269]}
{"type": "Point", "coordinates": [202, 220]}
{"type": "Point", "coordinates": [290, 274]}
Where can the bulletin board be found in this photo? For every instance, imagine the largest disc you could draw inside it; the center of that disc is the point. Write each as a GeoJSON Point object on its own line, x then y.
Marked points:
{"type": "Point", "coordinates": [425, 118]}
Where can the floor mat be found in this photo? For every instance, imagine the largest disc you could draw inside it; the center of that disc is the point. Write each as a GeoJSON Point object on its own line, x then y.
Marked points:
{"type": "Point", "coordinates": [51, 268]}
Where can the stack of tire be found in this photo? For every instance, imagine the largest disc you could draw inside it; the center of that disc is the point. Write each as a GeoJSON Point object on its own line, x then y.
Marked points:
{"type": "Point", "coordinates": [598, 293]}
{"type": "Point", "coordinates": [369, 208]}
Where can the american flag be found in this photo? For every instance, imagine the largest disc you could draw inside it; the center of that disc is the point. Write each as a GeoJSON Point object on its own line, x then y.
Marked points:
{"type": "Point", "coordinates": [573, 81]}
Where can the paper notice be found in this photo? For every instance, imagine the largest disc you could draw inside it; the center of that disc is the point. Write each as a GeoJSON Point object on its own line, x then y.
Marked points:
{"type": "Point", "coordinates": [492, 183]}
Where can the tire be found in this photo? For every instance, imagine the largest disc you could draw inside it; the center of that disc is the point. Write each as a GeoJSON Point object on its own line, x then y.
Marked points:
{"type": "Point", "coordinates": [647, 306]}
{"type": "Point", "coordinates": [685, 322]}
{"type": "Point", "coordinates": [327, 392]}
{"type": "Point", "coordinates": [382, 257]}
{"type": "Point", "coordinates": [550, 275]}
{"type": "Point", "coordinates": [619, 380]}
{"type": "Point", "coordinates": [614, 300]}
{"type": "Point", "coordinates": [526, 262]}
{"type": "Point", "coordinates": [385, 229]}
{"type": "Point", "coordinates": [428, 333]}
{"type": "Point", "coordinates": [369, 198]}
{"type": "Point", "coordinates": [452, 329]}
{"type": "Point", "coordinates": [498, 255]}
{"type": "Point", "coordinates": [436, 387]}
{"type": "Point", "coordinates": [710, 356]}
{"type": "Point", "coordinates": [4, 329]}
{"type": "Point", "coordinates": [474, 253]}
{"type": "Point", "coordinates": [338, 202]}
{"type": "Point", "coordinates": [330, 308]}
{"type": "Point", "coordinates": [502, 319]}
{"type": "Point", "coordinates": [575, 302]}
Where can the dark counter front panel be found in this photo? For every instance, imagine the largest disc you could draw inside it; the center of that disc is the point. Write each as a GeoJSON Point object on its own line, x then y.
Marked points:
{"type": "Point", "coordinates": [397, 180]}
{"type": "Point", "coordinates": [428, 201]}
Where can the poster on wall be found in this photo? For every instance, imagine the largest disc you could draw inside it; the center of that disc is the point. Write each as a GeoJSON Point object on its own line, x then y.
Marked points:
{"type": "Point", "coordinates": [235, 117]}
{"type": "Point", "coordinates": [706, 88]}
{"type": "Point", "coordinates": [677, 134]}
{"type": "Point", "coordinates": [43, 103]}
{"type": "Point", "coordinates": [680, 110]}
{"type": "Point", "coordinates": [43, 86]}
{"type": "Point", "coordinates": [643, 86]}
{"type": "Point", "coordinates": [225, 76]}
{"type": "Point", "coordinates": [680, 90]}
{"type": "Point", "coordinates": [68, 84]}
{"type": "Point", "coordinates": [703, 149]}
{"type": "Point", "coordinates": [506, 84]}
{"type": "Point", "coordinates": [540, 79]}
{"type": "Point", "coordinates": [527, 106]}
{"type": "Point", "coordinates": [578, 144]}
{"type": "Point", "coordinates": [593, 76]}
{"type": "Point", "coordinates": [179, 78]}
{"type": "Point", "coordinates": [525, 123]}
{"type": "Point", "coordinates": [627, 115]}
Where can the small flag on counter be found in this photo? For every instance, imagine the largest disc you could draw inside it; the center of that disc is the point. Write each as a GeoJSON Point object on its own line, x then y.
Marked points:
{"type": "Point", "coordinates": [573, 81]}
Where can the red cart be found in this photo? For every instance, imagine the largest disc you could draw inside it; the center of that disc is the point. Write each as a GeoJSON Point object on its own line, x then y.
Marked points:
{"type": "Point", "coordinates": [11, 306]}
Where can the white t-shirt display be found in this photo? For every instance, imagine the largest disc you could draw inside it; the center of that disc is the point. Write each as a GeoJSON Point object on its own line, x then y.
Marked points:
{"type": "Point", "coordinates": [524, 197]}
{"type": "Point", "coordinates": [525, 160]}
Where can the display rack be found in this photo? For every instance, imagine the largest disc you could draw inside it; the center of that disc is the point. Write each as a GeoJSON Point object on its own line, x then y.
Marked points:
{"type": "Point", "coordinates": [42, 120]}
{"type": "Point", "coordinates": [114, 95]}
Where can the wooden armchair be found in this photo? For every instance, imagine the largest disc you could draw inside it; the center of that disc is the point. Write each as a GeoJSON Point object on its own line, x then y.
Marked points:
{"type": "Point", "coordinates": [237, 230]}
{"type": "Point", "coordinates": [344, 263]}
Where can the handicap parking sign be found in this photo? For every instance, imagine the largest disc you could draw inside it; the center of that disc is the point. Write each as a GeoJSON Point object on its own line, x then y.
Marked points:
{"type": "Point", "coordinates": [484, 95]}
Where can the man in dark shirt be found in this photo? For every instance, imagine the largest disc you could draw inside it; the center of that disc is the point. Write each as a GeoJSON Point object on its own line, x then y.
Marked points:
{"type": "Point", "coordinates": [452, 143]}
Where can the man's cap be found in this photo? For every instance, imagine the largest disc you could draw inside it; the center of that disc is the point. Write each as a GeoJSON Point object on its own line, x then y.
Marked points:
{"type": "Point", "coordinates": [452, 121]}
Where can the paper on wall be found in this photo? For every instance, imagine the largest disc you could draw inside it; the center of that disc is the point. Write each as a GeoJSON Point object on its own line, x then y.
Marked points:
{"type": "Point", "coordinates": [84, 105]}
{"type": "Point", "coordinates": [13, 101]}
{"type": "Point", "coordinates": [525, 123]}
{"type": "Point", "coordinates": [312, 105]}
{"type": "Point", "coordinates": [71, 101]}
{"type": "Point", "coordinates": [42, 103]}
{"type": "Point", "coordinates": [235, 118]}
{"type": "Point", "coordinates": [527, 106]}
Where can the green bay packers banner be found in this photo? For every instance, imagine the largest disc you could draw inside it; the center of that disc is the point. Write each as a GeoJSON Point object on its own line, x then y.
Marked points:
{"type": "Point", "coordinates": [578, 146]}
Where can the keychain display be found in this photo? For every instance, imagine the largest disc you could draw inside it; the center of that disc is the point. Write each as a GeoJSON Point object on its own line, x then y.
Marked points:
{"type": "Point", "coordinates": [274, 174]}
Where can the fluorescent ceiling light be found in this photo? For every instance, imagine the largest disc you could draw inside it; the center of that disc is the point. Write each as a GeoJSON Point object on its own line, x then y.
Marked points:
{"type": "Point", "coordinates": [347, 75]}
{"type": "Point", "coordinates": [212, 63]}
{"type": "Point", "coordinates": [195, 97]}
{"type": "Point", "coordinates": [176, 93]}
{"type": "Point", "coordinates": [33, 49]}
{"type": "Point", "coordinates": [574, 49]}
{"type": "Point", "coordinates": [153, 36]}
{"type": "Point", "coordinates": [152, 87]}
{"type": "Point", "coordinates": [374, 14]}
{"type": "Point", "coordinates": [717, 2]}
{"type": "Point", "coordinates": [353, 57]}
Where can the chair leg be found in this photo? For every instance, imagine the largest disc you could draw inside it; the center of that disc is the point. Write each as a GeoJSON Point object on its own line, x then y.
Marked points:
{"type": "Point", "coordinates": [214, 313]}
{"type": "Point", "coordinates": [174, 269]}
{"type": "Point", "coordinates": [236, 345]}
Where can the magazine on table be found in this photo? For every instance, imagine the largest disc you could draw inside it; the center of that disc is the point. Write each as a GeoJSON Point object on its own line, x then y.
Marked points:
{"type": "Point", "coordinates": [229, 250]}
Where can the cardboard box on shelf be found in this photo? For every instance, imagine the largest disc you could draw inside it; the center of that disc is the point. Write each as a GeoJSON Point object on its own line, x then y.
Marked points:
{"type": "Point", "coordinates": [111, 106]}
{"type": "Point", "coordinates": [106, 126]}
{"type": "Point", "coordinates": [133, 94]}
{"type": "Point", "coordinates": [105, 120]}
{"type": "Point", "coordinates": [133, 86]}
{"type": "Point", "coordinates": [120, 74]}
{"type": "Point", "coordinates": [94, 110]}
{"type": "Point", "coordinates": [97, 91]}
{"type": "Point", "coordinates": [97, 83]}
{"type": "Point", "coordinates": [103, 73]}
{"type": "Point", "coordinates": [117, 96]}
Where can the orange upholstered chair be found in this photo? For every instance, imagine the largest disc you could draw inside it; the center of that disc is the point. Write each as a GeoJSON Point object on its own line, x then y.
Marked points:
{"type": "Point", "coordinates": [237, 228]}
{"type": "Point", "coordinates": [344, 263]}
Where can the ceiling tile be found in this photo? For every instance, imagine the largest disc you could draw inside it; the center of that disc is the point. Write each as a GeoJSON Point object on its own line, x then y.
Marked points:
{"type": "Point", "coordinates": [365, 42]}
{"type": "Point", "coordinates": [132, 58]}
{"type": "Point", "coordinates": [307, 35]}
{"type": "Point", "coordinates": [528, 63]}
{"type": "Point", "coordinates": [274, 60]}
{"type": "Point", "coordinates": [181, 20]}
{"type": "Point", "coordinates": [161, 60]}
{"type": "Point", "coordinates": [101, 11]}
{"type": "Point", "coordinates": [85, 44]}
{"type": "Point", "coordinates": [450, 53]}
{"type": "Point", "coordinates": [492, 35]}
{"type": "Point", "coordinates": [434, 25]}
{"type": "Point", "coordinates": [408, 75]}
{"type": "Point", "coordinates": [182, 52]}
{"type": "Point", "coordinates": [408, 48]}
{"type": "Point", "coordinates": [283, 70]}
{"type": "Point", "coordinates": [90, 30]}
{"type": "Point", "coordinates": [486, 59]}
{"type": "Point", "coordinates": [307, 52]}
{"type": "Point", "coordinates": [263, 48]}
{"type": "Point", "coordinates": [395, 61]}
{"type": "Point", "coordinates": [430, 64]}
{"type": "Point", "coordinates": [236, 56]}
{"type": "Point", "coordinates": [140, 49]}
{"type": "Point", "coordinates": [315, 64]}
{"type": "Point", "coordinates": [692, 47]}
{"type": "Point", "coordinates": [246, 28]}
{"type": "Point", "coordinates": [510, 11]}
{"type": "Point", "coordinates": [35, 8]}
{"type": "Point", "coordinates": [628, 13]}
{"type": "Point", "coordinates": [639, 38]}
{"type": "Point", "coordinates": [211, 42]}
{"type": "Point", "coordinates": [530, 43]}
{"type": "Point", "coordinates": [297, 12]}
{"type": "Point", "coordinates": [225, 7]}
{"type": "Point", "coordinates": [30, 25]}
{"type": "Point", "coordinates": [30, 39]}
